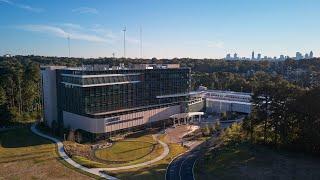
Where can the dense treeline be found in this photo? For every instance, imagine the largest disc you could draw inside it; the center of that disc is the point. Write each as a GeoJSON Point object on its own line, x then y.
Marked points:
{"type": "Point", "coordinates": [223, 81]}
{"type": "Point", "coordinates": [197, 65]}
{"type": "Point", "coordinates": [19, 91]}
{"type": "Point", "coordinates": [304, 73]}
{"type": "Point", "coordinates": [284, 115]}
{"type": "Point", "coordinates": [239, 75]}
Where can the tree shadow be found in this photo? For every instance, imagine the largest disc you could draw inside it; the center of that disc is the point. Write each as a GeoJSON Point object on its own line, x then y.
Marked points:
{"type": "Point", "coordinates": [141, 133]}
{"type": "Point", "coordinates": [21, 137]}
{"type": "Point", "coordinates": [17, 124]}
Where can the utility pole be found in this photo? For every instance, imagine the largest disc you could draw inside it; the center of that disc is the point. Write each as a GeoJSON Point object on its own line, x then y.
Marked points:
{"type": "Point", "coordinates": [140, 42]}
{"type": "Point", "coordinates": [124, 41]}
{"type": "Point", "coordinates": [69, 45]}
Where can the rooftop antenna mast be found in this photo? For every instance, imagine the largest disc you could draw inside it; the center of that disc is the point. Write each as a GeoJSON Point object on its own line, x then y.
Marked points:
{"type": "Point", "coordinates": [69, 44]}
{"type": "Point", "coordinates": [140, 42]}
{"type": "Point", "coordinates": [124, 41]}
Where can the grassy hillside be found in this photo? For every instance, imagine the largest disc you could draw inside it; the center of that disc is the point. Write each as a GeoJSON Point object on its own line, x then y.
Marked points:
{"type": "Point", "coordinates": [24, 155]}
{"type": "Point", "coordinates": [246, 161]}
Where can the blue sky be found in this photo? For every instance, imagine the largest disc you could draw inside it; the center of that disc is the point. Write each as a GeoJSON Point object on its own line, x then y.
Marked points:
{"type": "Point", "coordinates": [170, 28]}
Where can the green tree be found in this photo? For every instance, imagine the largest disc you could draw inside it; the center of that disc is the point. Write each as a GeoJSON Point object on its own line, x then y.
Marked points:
{"type": "Point", "coordinates": [3, 98]}
{"type": "Point", "coordinates": [306, 110]}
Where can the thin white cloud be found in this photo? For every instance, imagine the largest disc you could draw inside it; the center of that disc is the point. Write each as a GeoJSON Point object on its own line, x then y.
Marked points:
{"type": "Point", "coordinates": [22, 6]}
{"type": "Point", "coordinates": [132, 40]}
{"type": "Point", "coordinates": [94, 33]}
{"type": "Point", "coordinates": [215, 44]}
{"type": "Point", "coordinates": [71, 26]}
{"type": "Point", "coordinates": [56, 31]}
{"type": "Point", "coordinates": [6, 1]}
{"type": "Point", "coordinates": [29, 8]}
{"type": "Point", "coordinates": [206, 43]}
{"type": "Point", "coordinates": [103, 32]}
{"type": "Point", "coordinates": [97, 29]}
{"type": "Point", "coordinates": [129, 38]}
{"type": "Point", "coordinates": [60, 32]}
{"type": "Point", "coordinates": [85, 10]}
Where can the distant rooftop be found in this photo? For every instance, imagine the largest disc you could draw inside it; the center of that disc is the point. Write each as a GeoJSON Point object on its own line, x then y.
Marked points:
{"type": "Point", "coordinates": [156, 66]}
{"type": "Point", "coordinates": [7, 55]}
{"type": "Point", "coordinates": [229, 92]}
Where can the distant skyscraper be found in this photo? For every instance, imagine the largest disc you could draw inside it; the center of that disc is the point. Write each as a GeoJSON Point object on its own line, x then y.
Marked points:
{"type": "Point", "coordinates": [228, 57]}
{"type": "Point", "coordinates": [235, 56]}
{"type": "Point", "coordinates": [311, 54]}
{"type": "Point", "coordinates": [306, 56]}
{"type": "Point", "coordinates": [299, 56]}
{"type": "Point", "coordinates": [259, 57]}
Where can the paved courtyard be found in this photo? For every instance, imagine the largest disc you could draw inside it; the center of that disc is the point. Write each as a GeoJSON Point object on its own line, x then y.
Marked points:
{"type": "Point", "coordinates": [175, 134]}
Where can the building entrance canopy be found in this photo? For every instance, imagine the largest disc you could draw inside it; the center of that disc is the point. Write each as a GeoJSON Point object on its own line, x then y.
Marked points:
{"type": "Point", "coordinates": [186, 115]}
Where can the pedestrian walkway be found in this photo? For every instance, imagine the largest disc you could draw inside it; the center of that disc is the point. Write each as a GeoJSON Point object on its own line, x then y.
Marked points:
{"type": "Point", "coordinates": [97, 171]}
{"type": "Point", "coordinates": [65, 157]}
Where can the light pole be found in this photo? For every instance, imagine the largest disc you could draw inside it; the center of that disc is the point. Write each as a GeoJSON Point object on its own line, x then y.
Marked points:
{"type": "Point", "coordinates": [140, 42]}
{"type": "Point", "coordinates": [124, 41]}
{"type": "Point", "coordinates": [69, 45]}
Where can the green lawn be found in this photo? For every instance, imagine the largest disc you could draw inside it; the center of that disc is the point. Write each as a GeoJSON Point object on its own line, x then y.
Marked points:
{"type": "Point", "coordinates": [125, 151]}
{"type": "Point", "coordinates": [24, 155]}
{"type": "Point", "coordinates": [246, 161]}
{"type": "Point", "coordinates": [155, 171]}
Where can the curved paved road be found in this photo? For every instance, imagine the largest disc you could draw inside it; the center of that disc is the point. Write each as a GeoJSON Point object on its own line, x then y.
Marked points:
{"type": "Point", "coordinates": [181, 168]}
{"type": "Point", "coordinates": [65, 157]}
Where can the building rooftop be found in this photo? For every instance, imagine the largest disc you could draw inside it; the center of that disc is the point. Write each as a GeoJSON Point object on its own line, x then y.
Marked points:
{"type": "Point", "coordinates": [121, 66]}
{"type": "Point", "coordinates": [229, 92]}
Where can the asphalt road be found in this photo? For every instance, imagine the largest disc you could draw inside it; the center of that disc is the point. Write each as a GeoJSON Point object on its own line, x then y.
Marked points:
{"type": "Point", "coordinates": [182, 167]}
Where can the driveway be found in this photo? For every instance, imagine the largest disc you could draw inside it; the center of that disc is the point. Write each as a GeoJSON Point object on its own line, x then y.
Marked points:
{"type": "Point", "coordinates": [182, 167]}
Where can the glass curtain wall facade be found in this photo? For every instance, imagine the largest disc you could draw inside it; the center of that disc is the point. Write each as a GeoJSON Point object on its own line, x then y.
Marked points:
{"type": "Point", "coordinates": [100, 94]}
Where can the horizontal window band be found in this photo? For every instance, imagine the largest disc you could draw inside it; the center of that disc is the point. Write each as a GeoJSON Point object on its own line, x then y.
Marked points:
{"type": "Point", "coordinates": [103, 84]}
{"type": "Point", "coordinates": [123, 121]}
{"type": "Point", "coordinates": [99, 75]}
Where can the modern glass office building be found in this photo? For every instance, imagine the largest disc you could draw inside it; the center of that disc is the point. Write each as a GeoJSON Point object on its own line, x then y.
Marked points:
{"type": "Point", "coordinates": [102, 100]}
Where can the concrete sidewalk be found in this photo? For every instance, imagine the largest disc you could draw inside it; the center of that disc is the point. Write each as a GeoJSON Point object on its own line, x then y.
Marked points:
{"type": "Point", "coordinates": [65, 157]}
{"type": "Point", "coordinates": [96, 171]}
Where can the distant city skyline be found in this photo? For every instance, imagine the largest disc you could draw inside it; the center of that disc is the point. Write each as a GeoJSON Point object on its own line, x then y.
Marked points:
{"type": "Point", "coordinates": [281, 57]}
{"type": "Point", "coordinates": [195, 29]}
